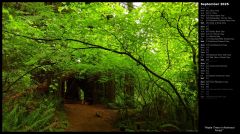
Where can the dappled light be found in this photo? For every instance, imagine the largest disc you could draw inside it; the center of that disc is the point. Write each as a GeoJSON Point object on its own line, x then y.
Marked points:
{"type": "Point", "coordinates": [100, 66]}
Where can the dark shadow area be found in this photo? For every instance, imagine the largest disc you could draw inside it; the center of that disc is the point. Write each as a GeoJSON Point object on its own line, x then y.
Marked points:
{"type": "Point", "coordinates": [72, 90]}
{"type": "Point", "coordinates": [93, 91]}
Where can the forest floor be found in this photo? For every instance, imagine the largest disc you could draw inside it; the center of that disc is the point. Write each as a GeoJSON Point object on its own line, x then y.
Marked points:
{"type": "Point", "coordinates": [90, 118]}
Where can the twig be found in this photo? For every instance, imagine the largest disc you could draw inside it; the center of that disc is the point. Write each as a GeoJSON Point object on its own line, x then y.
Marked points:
{"type": "Point", "coordinates": [119, 52]}
{"type": "Point", "coordinates": [169, 62]}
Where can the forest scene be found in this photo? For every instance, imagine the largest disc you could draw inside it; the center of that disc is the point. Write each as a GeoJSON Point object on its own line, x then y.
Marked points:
{"type": "Point", "coordinates": [99, 66]}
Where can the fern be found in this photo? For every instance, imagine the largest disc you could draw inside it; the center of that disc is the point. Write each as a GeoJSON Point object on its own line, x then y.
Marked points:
{"type": "Point", "coordinates": [30, 119]}
{"type": "Point", "coordinates": [18, 119]}
{"type": "Point", "coordinates": [39, 124]}
{"type": "Point", "coordinates": [11, 120]}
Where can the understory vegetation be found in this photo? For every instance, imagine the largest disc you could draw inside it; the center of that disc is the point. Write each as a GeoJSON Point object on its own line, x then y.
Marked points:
{"type": "Point", "coordinates": [145, 54]}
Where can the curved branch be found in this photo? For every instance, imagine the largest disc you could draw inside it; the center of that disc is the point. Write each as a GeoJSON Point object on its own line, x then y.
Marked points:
{"type": "Point", "coordinates": [194, 53]}
{"type": "Point", "coordinates": [189, 43]}
{"type": "Point", "coordinates": [164, 79]}
{"type": "Point", "coordinates": [118, 52]}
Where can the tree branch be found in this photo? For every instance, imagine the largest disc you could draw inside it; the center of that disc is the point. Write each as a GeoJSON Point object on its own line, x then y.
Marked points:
{"type": "Point", "coordinates": [118, 52]}
{"type": "Point", "coordinates": [155, 82]}
{"type": "Point", "coordinates": [84, 48]}
{"type": "Point", "coordinates": [21, 78]}
{"type": "Point", "coordinates": [184, 37]}
{"type": "Point", "coordinates": [169, 62]}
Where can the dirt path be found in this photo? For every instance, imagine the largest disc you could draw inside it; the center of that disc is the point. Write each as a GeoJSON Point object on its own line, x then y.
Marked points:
{"type": "Point", "coordinates": [83, 118]}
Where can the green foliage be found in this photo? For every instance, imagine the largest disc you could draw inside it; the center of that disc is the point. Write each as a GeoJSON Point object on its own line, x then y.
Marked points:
{"type": "Point", "coordinates": [30, 115]}
{"type": "Point", "coordinates": [119, 42]}
{"type": "Point", "coordinates": [53, 87]}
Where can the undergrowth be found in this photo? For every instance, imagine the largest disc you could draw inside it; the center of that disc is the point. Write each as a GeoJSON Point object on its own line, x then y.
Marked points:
{"type": "Point", "coordinates": [33, 115]}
